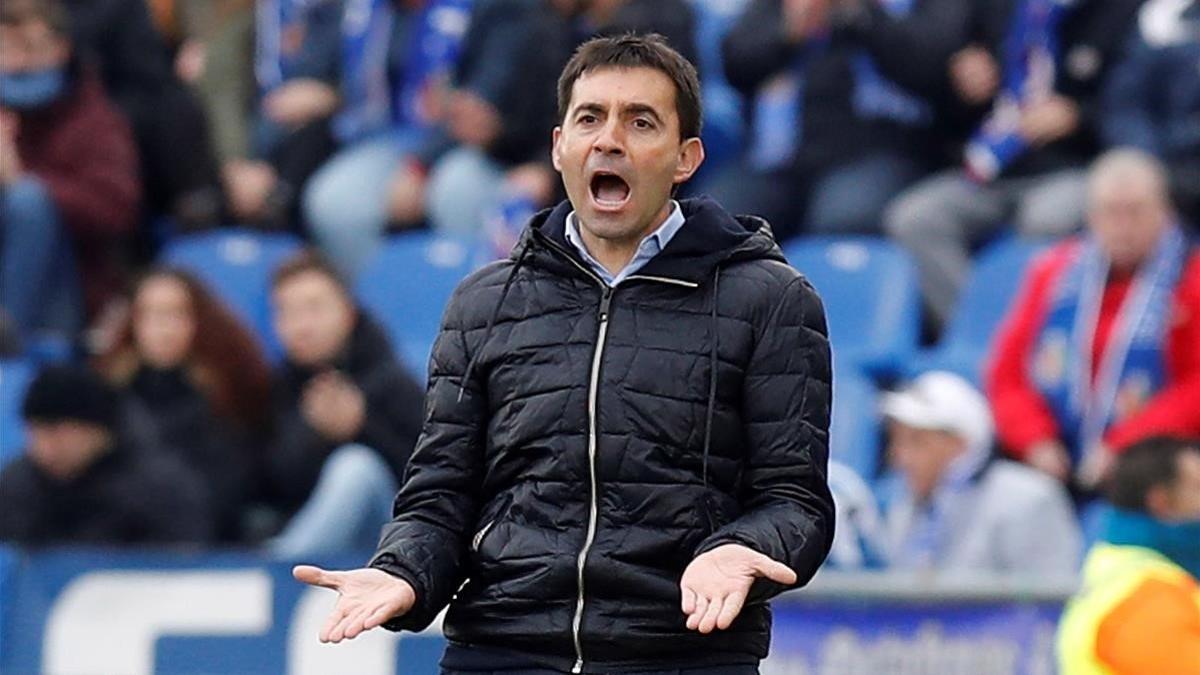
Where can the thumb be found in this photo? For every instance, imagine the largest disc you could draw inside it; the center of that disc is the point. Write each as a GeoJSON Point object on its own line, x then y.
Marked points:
{"type": "Point", "coordinates": [773, 570]}
{"type": "Point", "coordinates": [316, 576]}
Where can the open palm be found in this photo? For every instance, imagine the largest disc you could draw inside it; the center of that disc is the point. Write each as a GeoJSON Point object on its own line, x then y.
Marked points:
{"type": "Point", "coordinates": [367, 598]}
{"type": "Point", "coordinates": [715, 585]}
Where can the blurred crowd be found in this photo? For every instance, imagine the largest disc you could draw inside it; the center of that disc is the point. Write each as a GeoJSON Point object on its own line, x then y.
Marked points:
{"type": "Point", "coordinates": [941, 125]}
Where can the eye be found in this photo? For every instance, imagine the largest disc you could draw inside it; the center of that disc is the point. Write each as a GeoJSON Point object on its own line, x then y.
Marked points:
{"type": "Point", "coordinates": [643, 124]}
{"type": "Point", "coordinates": [586, 118]}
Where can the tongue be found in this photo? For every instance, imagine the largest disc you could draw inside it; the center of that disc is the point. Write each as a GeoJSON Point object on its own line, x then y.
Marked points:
{"type": "Point", "coordinates": [611, 189]}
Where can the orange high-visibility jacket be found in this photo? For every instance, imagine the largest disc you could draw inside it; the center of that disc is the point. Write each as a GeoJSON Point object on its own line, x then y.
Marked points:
{"type": "Point", "coordinates": [1137, 614]}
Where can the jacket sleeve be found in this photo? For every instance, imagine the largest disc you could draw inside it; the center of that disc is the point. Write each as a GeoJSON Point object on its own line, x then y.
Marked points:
{"type": "Point", "coordinates": [426, 542]}
{"type": "Point", "coordinates": [1052, 549]}
{"type": "Point", "coordinates": [98, 190]}
{"type": "Point", "coordinates": [787, 509]}
{"type": "Point", "coordinates": [755, 48]}
{"type": "Point", "coordinates": [1022, 416]}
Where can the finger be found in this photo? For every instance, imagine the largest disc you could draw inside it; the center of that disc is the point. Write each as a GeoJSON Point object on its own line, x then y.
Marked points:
{"type": "Point", "coordinates": [775, 571]}
{"type": "Point", "coordinates": [335, 617]}
{"type": "Point", "coordinates": [357, 624]}
{"type": "Point", "coordinates": [339, 631]}
{"type": "Point", "coordinates": [688, 602]}
{"type": "Point", "coordinates": [693, 621]}
{"type": "Point", "coordinates": [709, 620]}
{"type": "Point", "coordinates": [731, 609]}
{"type": "Point", "coordinates": [316, 576]}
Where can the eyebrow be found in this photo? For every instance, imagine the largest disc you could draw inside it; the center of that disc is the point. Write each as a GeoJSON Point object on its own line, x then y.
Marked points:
{"type": "Point", "coordinates": [631, 109]}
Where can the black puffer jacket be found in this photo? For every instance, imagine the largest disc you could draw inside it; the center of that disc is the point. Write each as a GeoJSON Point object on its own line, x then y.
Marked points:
{"type": "Point", "coordinates": [509, 489]}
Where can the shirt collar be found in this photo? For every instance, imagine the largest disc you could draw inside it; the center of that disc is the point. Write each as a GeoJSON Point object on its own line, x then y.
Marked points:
{"type": "Point", "coordinates": [649, 247]}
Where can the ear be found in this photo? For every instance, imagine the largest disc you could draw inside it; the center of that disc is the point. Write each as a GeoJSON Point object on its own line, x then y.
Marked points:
{"type": "Point", "coordinates": [556, 149]}
{"type": "Point", "coordinates": [691, 156]}
{"type": "Point", "coordinates": [1159, 503]}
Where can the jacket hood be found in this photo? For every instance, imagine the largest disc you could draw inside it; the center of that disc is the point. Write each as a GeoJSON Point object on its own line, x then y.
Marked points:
{"type": "Point", "coordinates": [710, 237]}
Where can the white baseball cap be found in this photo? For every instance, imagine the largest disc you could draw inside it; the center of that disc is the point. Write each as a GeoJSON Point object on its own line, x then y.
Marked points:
{"type": "Point", "coordinates": [946, 402]}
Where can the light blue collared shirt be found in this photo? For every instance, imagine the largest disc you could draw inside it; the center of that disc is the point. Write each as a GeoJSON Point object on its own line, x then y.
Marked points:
{"type": "Point", "coordinates": [651, 246]}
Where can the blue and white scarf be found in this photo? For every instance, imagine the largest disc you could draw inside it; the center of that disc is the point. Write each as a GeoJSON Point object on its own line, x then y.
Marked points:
{"type": "Point", "coordinates": [1031, 53]}
{"type": "Point", "coordinates": [779, 109]}
{"type": "Point", "coordinates": [1088, 398]}
{"type": "Point", "coordinates": [374, 97]}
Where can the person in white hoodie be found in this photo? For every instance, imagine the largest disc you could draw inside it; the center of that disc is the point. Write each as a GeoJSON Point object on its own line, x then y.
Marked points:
{"type": "Point", "coordinates": [960, 509]}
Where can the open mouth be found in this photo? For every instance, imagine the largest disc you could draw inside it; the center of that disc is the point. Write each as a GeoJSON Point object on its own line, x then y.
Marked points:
{"type": "Point", "coordinates": [609, 190]}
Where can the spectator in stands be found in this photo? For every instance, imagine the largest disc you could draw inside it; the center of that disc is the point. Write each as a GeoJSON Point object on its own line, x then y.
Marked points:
{"type": "Point", "coordinates": [1102, 348]}
{"type": "Point", "coordinates": [958, 509]}
{"type": "Point", "coordinates": [168, 121]}
{"type": "Point", "coordinates": [212, 43]}
{"type": "Point", "coordinates": [346, 415]}
{"type": "Point", "coordinates": [88, 478]}
{"type": "Point", "coordinates": [1139, 607]}
{"type": "Point", "coordinates": [69, 185]}
{"type": "Point", "coordinates": [1031, 82]}
{"type": "Point", "coordinates": [399, 56]}
{"type": "Point", "coordinates": [845, 96]}
{"type": "Point", "coordinates": [203, 382]}
{"type": "Point", "coordinates": [285, 132]}
{"type": "Point", "coordinates": [1141, 110]}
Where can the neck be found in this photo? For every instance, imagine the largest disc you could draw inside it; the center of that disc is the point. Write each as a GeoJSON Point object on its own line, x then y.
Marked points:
{"type": "Point", "coordinates": [615, 254]}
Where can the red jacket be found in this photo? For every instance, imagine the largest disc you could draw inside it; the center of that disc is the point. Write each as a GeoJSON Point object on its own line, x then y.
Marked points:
{"type": "Point", "coordinates": [1023, 418]}
{"type": "Point", "coordinates": [82, 149]}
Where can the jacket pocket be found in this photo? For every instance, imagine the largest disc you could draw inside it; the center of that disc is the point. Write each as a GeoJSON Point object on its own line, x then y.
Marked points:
{"type": "Point", "coordinates": [497, 514]}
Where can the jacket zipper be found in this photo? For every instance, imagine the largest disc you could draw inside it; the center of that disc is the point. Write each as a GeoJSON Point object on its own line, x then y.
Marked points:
{"type": "Point", "coordinates": [594, 512]}
{"type": "Point", "coordinates": [593, 434]}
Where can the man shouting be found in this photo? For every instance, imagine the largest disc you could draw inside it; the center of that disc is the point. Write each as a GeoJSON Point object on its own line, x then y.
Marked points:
{"type": "Point", "coordinates": [626, 430]}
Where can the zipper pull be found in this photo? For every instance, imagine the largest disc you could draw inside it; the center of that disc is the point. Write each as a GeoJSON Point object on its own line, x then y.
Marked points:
{"type": "Point", "coordinates": [605, 301]}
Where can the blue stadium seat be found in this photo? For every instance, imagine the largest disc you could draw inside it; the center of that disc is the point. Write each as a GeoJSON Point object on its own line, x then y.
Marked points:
{"type": "Point", "coordinates": [15, 376]}
{"type": "Point", "coordinates": [406, 286]}
{"type": "Point", "coordinates": [855, 427]}
{"type": "Point", "coordinates": [237, 265]}
{"type": "Point", "coordinates": [869, 286]}
{"type": "Point", "coordinates": [992, 287]}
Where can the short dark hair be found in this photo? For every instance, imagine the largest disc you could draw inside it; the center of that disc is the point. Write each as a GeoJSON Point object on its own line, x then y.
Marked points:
{"type": "Point", "coordinates": [638, 51]}
{"type": "Point", "coordinates": [52, 12]}
{"type": "Point", "coordinates": [306, 261]}
{"type": "Point", "coordinates": [1144, 466]}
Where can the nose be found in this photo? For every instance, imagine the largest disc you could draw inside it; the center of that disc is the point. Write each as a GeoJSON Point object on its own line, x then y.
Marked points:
{"type": "Point", "coordinates": [610, 140]}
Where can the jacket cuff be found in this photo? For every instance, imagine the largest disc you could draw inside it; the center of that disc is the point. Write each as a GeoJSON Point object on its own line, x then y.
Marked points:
{"type": "Point", "coordinates": [417, 618]}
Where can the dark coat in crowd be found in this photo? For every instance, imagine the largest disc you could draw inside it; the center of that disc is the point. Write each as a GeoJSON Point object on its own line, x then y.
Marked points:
{"type": "Point", "coordinates": [131, 495]}
{"type": "Point", "coordinates": [911, 51]}
{"type": "Point", "coordinates": [1091, 40]}
{"type": "Point", "coordinates": [214, 448]}
{"type": "Point", "coordinates": [81, 148]}
{"type": "Point", "coordinates": [686, 409]}
{"type": "Point", "coordinates": [393, 415]}
{"type": "Point", "coordinates": [119, 37]}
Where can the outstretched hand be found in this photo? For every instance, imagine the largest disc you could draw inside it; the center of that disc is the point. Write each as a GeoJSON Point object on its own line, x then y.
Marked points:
{"type": "Point", "coordinates": [367, 598]}
{"type": "Point", "coordinates": [716, 583]}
